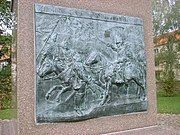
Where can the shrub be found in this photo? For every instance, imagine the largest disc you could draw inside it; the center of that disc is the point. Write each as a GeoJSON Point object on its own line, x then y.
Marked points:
{"type": "Point", "coordinates": [5, 88]}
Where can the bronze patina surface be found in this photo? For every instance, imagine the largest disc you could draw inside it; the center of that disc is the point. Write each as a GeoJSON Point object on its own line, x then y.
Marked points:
{"type": "Point", "coordinates": [88, 64]}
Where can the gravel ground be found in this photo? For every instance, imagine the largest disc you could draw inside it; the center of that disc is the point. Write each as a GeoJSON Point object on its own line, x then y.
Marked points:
{"type": "Point", "coordinates": [169, 119]}
{"type": "Point", "coordinates": [8, 127]}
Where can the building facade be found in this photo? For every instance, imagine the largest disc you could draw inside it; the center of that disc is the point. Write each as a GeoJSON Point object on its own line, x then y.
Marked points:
{"type": "Point", "coordinates": [161, 43]}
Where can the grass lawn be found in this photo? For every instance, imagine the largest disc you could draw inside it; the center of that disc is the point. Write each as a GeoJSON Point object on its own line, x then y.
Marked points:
{"type": "Point", "coordinates": [8, 114]}
{"type": "Point", "coordinates": [168, 104]}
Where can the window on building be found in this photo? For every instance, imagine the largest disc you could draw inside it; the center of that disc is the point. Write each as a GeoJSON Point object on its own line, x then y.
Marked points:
{"type": "Point", "coordinates": [158, 75]}
{"type": "Point", "coordinates": [156, 51]}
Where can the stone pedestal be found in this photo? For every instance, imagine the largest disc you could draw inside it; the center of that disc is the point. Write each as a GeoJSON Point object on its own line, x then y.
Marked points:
{"type": "Point", "coordinates": [26, 71]}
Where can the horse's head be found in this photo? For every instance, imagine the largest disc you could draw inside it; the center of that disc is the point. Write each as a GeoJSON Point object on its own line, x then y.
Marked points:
{"type": "Point", "coordinates": [45, 68]}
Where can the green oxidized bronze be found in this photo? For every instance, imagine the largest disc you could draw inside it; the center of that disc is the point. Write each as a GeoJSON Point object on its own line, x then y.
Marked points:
{"type": "Point", "coordinates": [88, 64]}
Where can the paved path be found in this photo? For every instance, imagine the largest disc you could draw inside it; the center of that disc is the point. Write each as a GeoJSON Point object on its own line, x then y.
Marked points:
{"type": "Point", "coordinates": [167, 125]}
{"type": "Point", "coordinates": [170, 120]}
{"type": "Point", "coordinates": [154, 130]}
{"type": "Point", "coordinates": [8, 127]}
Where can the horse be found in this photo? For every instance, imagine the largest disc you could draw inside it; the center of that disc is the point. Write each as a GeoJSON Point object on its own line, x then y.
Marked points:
{"type": "Point", "coordinates": [123, 75]}
{"type": "Point", "coordinates": [131, 72]}
{"type": "Point", "coordinates": [71, 78]}
{"type": "Point", "coordinates": [48, 66]}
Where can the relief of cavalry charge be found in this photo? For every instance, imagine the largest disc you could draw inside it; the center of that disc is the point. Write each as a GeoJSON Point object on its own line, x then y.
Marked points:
{"type": "Point", "coordinates": [86, 67]}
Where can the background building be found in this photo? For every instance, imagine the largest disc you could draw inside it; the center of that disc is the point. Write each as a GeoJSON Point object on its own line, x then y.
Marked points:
{"type": "Point", "coordinates": [161, 43]}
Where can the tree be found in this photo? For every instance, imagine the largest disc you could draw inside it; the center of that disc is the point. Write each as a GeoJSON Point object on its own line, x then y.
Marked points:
{"type": "Point", "coordinates": [165, 16]}
{"type": "Point", "coordinates": [170, 59]}
{"type": "Point", "coordinates": [5, 88]}
{"type": "Point", "coordinates": [6, 22]}
{"type": "Point", "coordinates": [6, 16]}
{"type": "Point", "coordinates": [166, 19]}
{"type": "Point", "coordinates": [6, 42]}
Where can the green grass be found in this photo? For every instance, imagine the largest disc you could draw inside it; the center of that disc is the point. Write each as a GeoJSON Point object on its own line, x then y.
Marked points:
{"type": "Point", "coordinates": [168, 104]}
{"type": "Point", "coordinates": [8, 114]}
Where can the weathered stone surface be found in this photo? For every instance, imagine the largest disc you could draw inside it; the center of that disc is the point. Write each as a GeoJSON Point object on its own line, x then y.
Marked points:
{"type": "Point", "coordinates": [88, 64]}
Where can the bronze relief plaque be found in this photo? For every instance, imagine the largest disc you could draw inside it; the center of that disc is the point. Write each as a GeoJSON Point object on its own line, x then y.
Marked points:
{"type": "Point", "coordinates": [88, 64]}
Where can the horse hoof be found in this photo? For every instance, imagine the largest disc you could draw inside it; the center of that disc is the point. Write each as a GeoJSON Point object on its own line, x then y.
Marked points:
{"type": "Point", "coordinates": [79, 113]}
{"type": "Point", "coordinates": [47, 96]}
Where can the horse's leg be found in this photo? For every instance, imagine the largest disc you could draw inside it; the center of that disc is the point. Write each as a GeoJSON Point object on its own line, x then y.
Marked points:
{"type": "Point", "coordinates": [126, 89]}
{"type": "Point", "coordinates": [70, 96]}
{"type": "Point", "coordinates": [141, 88]}
{"type": "Point", "coordinates": [101, 82]}
{"type": "Point", "coordinates": [138, 91]}
{"type": "Point", "coordinates": [65, 89]}
{"type": "Point", "coordinates": [78, 101]}
{"type": "Point", "coordinates": [48, 94]}
{"type": "Point", "coordinates": [106, 93]}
